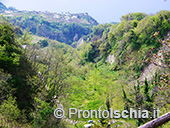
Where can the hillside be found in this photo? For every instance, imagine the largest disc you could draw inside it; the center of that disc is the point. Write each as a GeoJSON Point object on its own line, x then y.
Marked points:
{"type": "Point", "coordinates": [2, 7]}
{"type": "Point", "coordinates": [128, 62]}
{"type": "Point", "coordinates": [63, 27]}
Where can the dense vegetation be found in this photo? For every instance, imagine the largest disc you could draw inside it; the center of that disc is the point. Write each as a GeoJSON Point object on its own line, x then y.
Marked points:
{"type": "Point", "coordinates": [36, 78]}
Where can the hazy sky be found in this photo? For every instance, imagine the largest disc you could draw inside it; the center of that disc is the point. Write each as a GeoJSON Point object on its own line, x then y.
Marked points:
{"type": "Point", "coordinates": [102, 10]}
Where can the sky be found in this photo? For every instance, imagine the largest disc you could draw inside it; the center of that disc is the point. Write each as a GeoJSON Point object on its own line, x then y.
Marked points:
{"type": "Point", "coordinates": [104, 11]}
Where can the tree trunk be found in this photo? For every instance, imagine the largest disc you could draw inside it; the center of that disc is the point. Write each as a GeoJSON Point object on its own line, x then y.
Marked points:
{"type": "Point", "coordinates": [157, 122]}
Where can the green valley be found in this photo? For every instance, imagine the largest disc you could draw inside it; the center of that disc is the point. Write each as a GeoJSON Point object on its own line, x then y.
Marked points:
{"type": "Point", "coordinates": [64, 60]}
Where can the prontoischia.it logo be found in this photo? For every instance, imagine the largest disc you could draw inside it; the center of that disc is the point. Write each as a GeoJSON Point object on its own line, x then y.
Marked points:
{"type": "Point", "coordinates": [60, 113]}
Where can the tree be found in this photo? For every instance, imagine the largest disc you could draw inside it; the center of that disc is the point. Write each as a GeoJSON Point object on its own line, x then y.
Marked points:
{"type": "Point", "coordinates": [9, 49]}
{"type": "Point", "coordinates": [143, 100]}
{"type": "Point", "coordinates": [104, 49]}
{"type": "Point", "coordinates": [16, 63]}
{"type": "Point", "coordinates": [4, 89]}
{"type": "Point", "coordinates": [112, 39]}
{"type": "Point", "coordinates": [43, 43]}
{"type": "Point", "coordinates": [54, 72]}
{"type": "Point", "coordinates": [9, 109]}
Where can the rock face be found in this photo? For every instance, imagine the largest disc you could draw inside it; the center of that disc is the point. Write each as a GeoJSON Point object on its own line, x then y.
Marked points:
{"type": "Point", "coordinates": [148, 73]}
{"type": "Point", "coordinates": [110, 59]}
{"type": "Point", "coordinates": [80, 42]}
